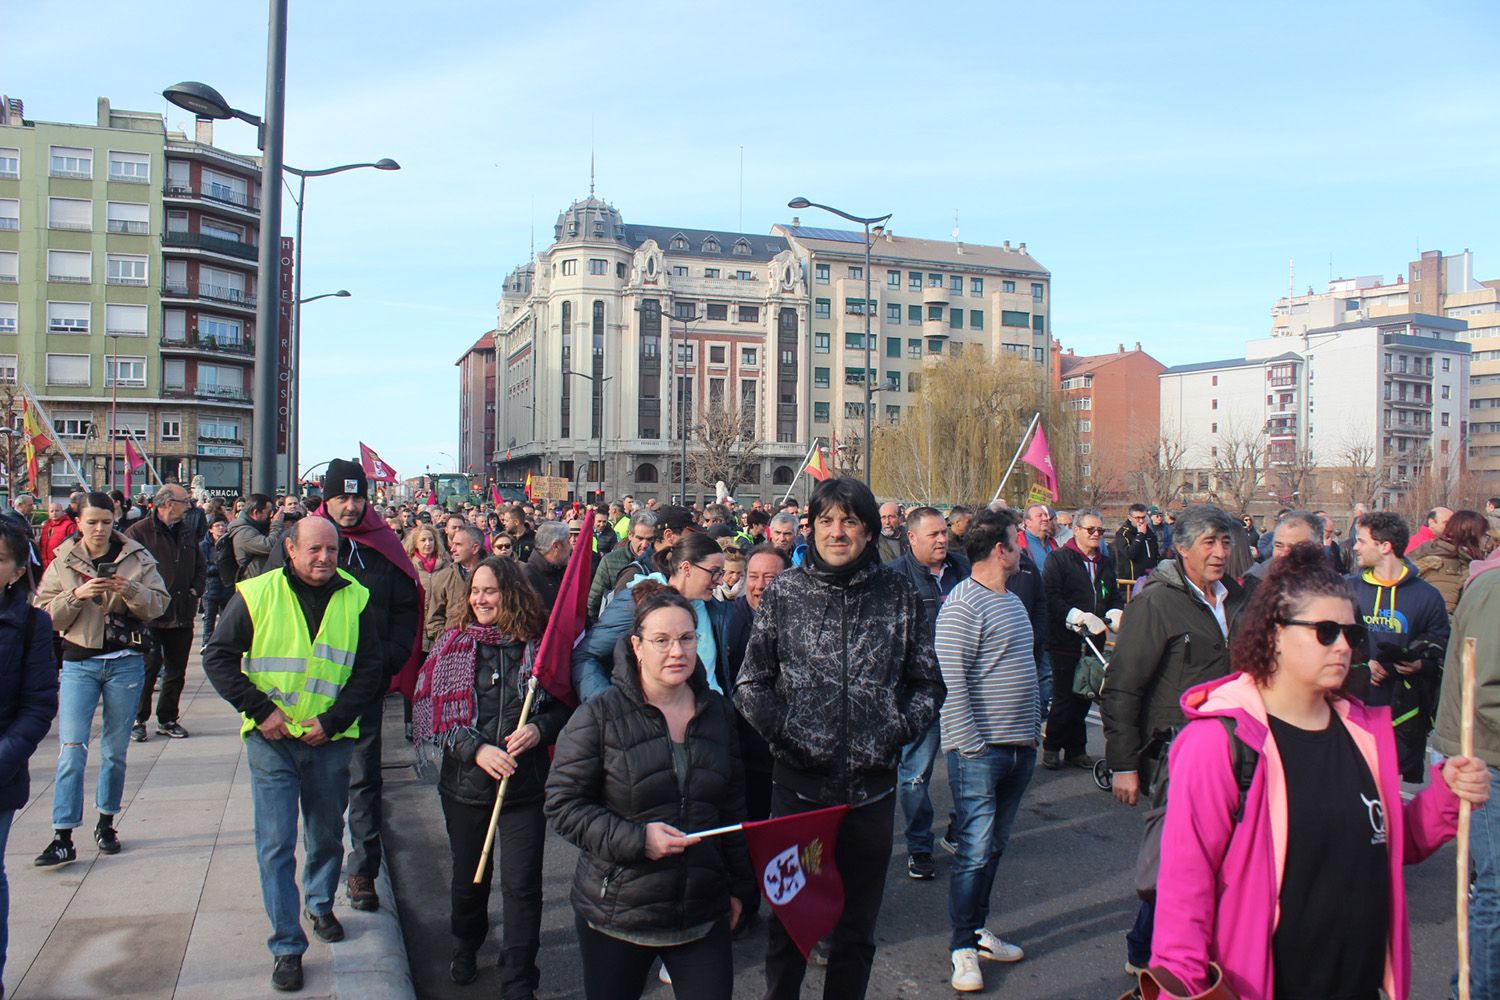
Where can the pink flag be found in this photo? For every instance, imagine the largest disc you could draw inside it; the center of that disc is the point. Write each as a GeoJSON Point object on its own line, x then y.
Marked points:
{"type": "Point", "coordinates": [1039, 457]}
{"type": "Point", "coordinates": [798, 875]}
{"type": "Point", "coordinates": [134, 462]}
{"type": "Point", "coordinates": [375, 468]}
{"type": "Point", "coordinates": [554, 657]}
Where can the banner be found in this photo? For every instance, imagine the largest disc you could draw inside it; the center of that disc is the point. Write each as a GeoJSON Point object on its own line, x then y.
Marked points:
{"type": "Point", "coordinates": [285, 308]}
{"type": "Point", "coordinates": [793, 859]}
{"type": "Point", "coordinates": [553, 667]}
{"type": "Point", "coordinates": [1039, 457]}
{"type": "Point", "coordinates": [33, 440]}
{"type": "Point", "coordinates": [376, 471]}
{"type": "Point", "coordinates": [134, 462]}
{"type": "Point", "coordinates": [1040, 494]}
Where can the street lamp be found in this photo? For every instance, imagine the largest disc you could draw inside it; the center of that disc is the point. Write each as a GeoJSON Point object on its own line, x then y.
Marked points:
{"type": "Point", "coordinates": [869, 392]}
{"type": "Point", "coordinates": [342, 293]}
{"type": "Point", "coordinates": [294, 389]}
{"type": "Point", "coordinates": [598, 384]}
{"type": "Point", "coordinates": [683, 426]}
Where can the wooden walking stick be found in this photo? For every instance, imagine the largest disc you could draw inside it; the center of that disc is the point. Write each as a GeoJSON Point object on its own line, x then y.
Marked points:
{"type": "Point", "coordinates": [489, 839]}
{"type": "Point", "coordinates": [1466, 747]}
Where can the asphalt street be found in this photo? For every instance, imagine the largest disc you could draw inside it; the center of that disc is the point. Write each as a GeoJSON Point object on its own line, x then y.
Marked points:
{"type": "Point", "coordinates": [1064, 893]}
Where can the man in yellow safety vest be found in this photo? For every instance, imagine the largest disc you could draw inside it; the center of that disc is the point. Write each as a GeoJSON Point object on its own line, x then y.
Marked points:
{"type": "Point", "coordinates": [295, 652]}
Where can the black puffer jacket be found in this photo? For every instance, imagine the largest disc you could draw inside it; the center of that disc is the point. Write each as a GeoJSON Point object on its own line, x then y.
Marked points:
{"type": "Point", "coordinates": [497, 710]}
{"type": "Point", "coordinates": [838, 677]}
{"type": "Point", "coordinates": [613, 774]}
{"type": "Point", "coordinates": [1068, 585]}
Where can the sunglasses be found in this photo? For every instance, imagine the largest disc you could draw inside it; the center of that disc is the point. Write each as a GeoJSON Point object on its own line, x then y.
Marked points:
{"type": "Point", "coordinates": [1328, 632]}
{"type": "Point", "coordinates": [1092, 531]}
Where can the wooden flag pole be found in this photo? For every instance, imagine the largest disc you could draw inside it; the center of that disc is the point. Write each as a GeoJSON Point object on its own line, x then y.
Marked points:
{"type": "Point", "coordinates": [489, 838]}
{"type": "Point", "coordinates": [1465, 809]}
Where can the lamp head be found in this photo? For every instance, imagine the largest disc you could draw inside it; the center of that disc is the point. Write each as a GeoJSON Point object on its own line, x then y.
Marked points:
{"type": "Point", "coordinates": [386, 163]}
{"type": "Point", "coordinates": [342, 293]}
{"type": "Point", "coordinates": [799, 202]}
{"type": "Point", "coordinates": [199, 98]}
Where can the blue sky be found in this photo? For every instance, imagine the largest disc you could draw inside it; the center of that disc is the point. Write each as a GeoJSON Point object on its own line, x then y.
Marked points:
{"type": "Point", "coordinates": [1164, 161]}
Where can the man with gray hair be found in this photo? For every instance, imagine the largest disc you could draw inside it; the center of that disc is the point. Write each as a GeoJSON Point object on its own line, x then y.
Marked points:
{"type": "Point", "coordinates": [1173, 635]}
{"type": "Point", "coordinates": [783, 535]}
{"type": "Point", "coordinates": [448, 594]}
{"type": "Point", "coordinates": [1294, 528]}
{"type": "Point", "coordinates": [549, 559]}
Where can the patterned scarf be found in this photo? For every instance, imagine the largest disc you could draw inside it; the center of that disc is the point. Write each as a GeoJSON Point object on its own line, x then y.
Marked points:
{"type": "Point", "coordinates": [445, 687]}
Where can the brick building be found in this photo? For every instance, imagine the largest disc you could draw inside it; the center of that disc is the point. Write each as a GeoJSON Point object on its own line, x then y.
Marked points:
{"type": "Point", "coordinates": [1115, 399]}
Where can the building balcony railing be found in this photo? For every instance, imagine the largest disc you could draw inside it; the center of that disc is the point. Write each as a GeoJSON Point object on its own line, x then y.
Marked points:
{"type": "Point", "coordinates": [214, 244]}
{"type": "Point", "coordinates": [77, 175]}
{"type": "Point", "coordinates": [72, 279]}
{"type": "Point", "coordinates": [1422, 375]}
{"type": "Point", "coordinates": [247, 202]}
{"type": "Point", "coordinates": [227, 394]}
{"type": "Point", "coordinates": [124, 279]}
{"type": "Point", "coordinates": [129, 228]}
{"type": "Point", "coordinates": [219, 439]}
{"type": "Point", "coordinates": [1416, 404]}
{"type": "Point", "coordinates": [219, 293]}
{"type": "Point", "coordinates": [210, 344]}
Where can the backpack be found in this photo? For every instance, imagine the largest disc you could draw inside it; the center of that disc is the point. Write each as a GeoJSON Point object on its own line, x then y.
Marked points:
{"type": "Point", "coordinates": [1243, 759]}
{"type": "Point", "coordinates": [225, 563]}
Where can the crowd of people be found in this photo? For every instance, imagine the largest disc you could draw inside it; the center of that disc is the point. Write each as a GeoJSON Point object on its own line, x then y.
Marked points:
{"type": "Point", "coordinates": [1266, 695]}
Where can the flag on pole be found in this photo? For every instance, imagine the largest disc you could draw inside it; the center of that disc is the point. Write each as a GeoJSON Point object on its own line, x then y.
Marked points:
{"type": "Point", "coordinates": [495, 495]}
{"type": "Point", "coordinates": [34, 439]}
{"type": "Point", "coordinates": [528, 485]}
{"type": "Point", "coordinates": [432, 498]}
{"type": "Point", "coordinates": [375, 469]}
{"type": "Point", "coordinates": [817, 466]}
{"type": "Point", "coordinates": [1039, 457]}
{"type": "Point", "coordinates": [134, 462]}
{"type": "Point", "coordinates": [793, 857]}
{"type": "Point", "coordinates": [553, 667]}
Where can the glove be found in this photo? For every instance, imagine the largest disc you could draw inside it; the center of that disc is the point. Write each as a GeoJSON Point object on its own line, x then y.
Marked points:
{"type": "Point", "coordinates": [1113, 618]}
{"type": "Point", "coordinates": [1084, 621]}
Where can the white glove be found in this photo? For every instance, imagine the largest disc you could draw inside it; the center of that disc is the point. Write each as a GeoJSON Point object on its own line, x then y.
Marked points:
{"type": "Point", "coordinates": [1084, 621]}
{"type": "Point", "coordinates": [1113, 618]}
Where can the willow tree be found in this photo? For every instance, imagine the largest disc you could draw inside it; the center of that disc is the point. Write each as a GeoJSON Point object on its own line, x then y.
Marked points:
{"type": "Point", "coordinates": [955, 438]}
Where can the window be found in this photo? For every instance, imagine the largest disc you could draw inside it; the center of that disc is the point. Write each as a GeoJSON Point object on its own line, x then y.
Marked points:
{"type": "Point", "coordinates": [126, 269]}
{"type": "Point", "coordinates": [679, 271]}
{"type": "Point", "coordinates": [66, 161]}
{"type": "Point", "coordinates": [1036, 291]}
{"type": "Point", "coordinates": [1213, 404]}
{"type": "Point", "coordinates": [854, 341]}
{"type": "Point", "coordinates": [914, 381]}
{"type": "Point", "coordinates": [221, 230]}
{"type": "Point", "coordinates": [716, 393]}
{"type": "Point", "coordinates": [856, 272]}
{"type": "Point", "coordinates": [935, 313]}
{"type": "Point", "coordinates": [8, 316]}
{"type": "Point", "coordinates": [718, 311]}
{"type": "Point", "coordinates": [893, 414]}
{"type": "Point", "coordinates": [569, 267]}
{"type": "Point", "coordinates": [934, 281]}
{"type": "Point", "coordinates": [820, 413]}
{"type": "Point", "coordinates": [716, 354]}
{"type": "Point", "coordinates": [171, 427]}
{"type": "Point", "coordinates": [749, 314]}
{"type": "Point", "coordinates": [132, 168]}
{"type": "Point", "coordinates": [710, 272]}
{"type": "Point", "coordinates": [820, 343]}
{"type": "Point", "coordinates": [956, 319]}
{"type": "Point", "coordinates": [130, 371]}
{"type": "Point", "coordinates": [1038, 323]}
{"type": "Point", "coordinates": [820, 273]}
{"type": "Point", "coordinates": [173, 373]}
{"type": "Point", "coordinates": [685, 310]}
{"type": "Point", "coordinates": [893, 381]}
{"type": "Point", "coordinates": [854, 411]}
{"type": "Point", "coordinates": [855, 307]}
{"type": "Point", "coordinates": [133, 217]}
{"type": "Point", "coordinates": [1007, 286]}
{"type": "Point", "coordinates": [70, 266]}
{"type": "Point", "coordinates": [1447, 364]}
{"type": "Point", "coordinates": [1214, 380]}
{"type": "Point", "coordinates": [893, 313]}
{"type": "Point", "coordinates": [893, 347]}
{"type": "Point", "coordinates": [227, 188]}
{"type": "Point", "coordinates": [127, 320]}
{"type": "Point", "coordinates": [956, 284]}
{"type": "Point", "coordinates": [742, 248]}
{"type": "Point", "coordinates": [820, 378]}
{"type": "Point", "coordinates": [221, 380]}
{"type": "Point", "coordinates": [711, 245]}
{"type": "Point", "coordinates": [597, 266]}
{"type": "Point", "coordinates": [1011, 317]}
{"type": "Point", "coordinates": [1085, 426]}
{"type": "Point", "coordinates": [822, 308]}
{"type": "Point", "coordinates": [976, 319]}
{"type": "Point", "coordinates": [749, 357]}
{"type": "Point", "coordinates": [914, 314]}
{"type": "Point", "coordinates": [216, 284]}
{"type": "Point", "coordinates": [1213, 428]}
{"type": "Point", "coordinates": [72, 423]}
{"type": "Point", "coordinates": [10, 162]}
{"type": "Point", "coordinates": [218, 429]}
{"type": "Point", "coordinates": [976, 286]}
{"type": "Point", "coordinates": [67, 369]}
{"type": "Point", "coordinates": [679, 242]}
{"type": "Point", "coordinates": [10, 213]}
{"type": "Point", "coordinates": [222, 332]}
{"type": "Point", "coordinates": [68, 317]}
{"type": "Point", "coordinates": [934, 345]}
{"type": "Point", "coordinates": [744, 276]}
{"type": "Point", "coordinates": [914, 280]}
{"type": "Point", "coordinates": [8, 368]}
{"type": "Point", "coordinates": [685, 353]}
{"type": "Point", "coordinates": [1443, 420]}
{"type": "Point", "coordinates": [1446, 392]}
{"type": "Point", "coordinates": [893, 279]}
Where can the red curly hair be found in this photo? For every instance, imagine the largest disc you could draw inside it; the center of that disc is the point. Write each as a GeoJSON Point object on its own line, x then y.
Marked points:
{"type": "Point", "coordinates": [1299, 575]}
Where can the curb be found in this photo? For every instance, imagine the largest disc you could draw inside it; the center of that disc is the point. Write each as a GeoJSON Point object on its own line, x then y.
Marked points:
{"type": "Point", "coordinates": [371, 963]}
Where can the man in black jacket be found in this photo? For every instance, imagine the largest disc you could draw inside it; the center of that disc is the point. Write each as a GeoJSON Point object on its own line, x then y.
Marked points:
{"type": "Point", "coordinates": [1137, 550]}
{"type": "Point", "coordinates": [549, 560]}
{"type": "Point", "coordinates": [168, 537]}
{"type": "Point", "coordinates": [839, 675]}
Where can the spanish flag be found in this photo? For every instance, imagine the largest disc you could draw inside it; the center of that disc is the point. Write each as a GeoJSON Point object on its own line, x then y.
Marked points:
{"type": "Point", "coordinates": [34, 440]}
{"type": "Point", "coordinates": [528, 484]}
{"type": "Point", "coordinates": [817, 466]}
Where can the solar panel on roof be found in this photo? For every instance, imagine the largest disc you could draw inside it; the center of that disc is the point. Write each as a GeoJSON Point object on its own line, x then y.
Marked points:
{"type": "Point", "coordinates": [834, 235]}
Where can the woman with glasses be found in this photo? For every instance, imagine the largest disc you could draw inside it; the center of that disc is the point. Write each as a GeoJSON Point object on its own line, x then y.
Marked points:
{"type": "Point", "coordinates": [1286, 833]}
{"type": "Point", "coordinates": [693, 567]}
{"type": "Point", "coordinates": [649, 760]}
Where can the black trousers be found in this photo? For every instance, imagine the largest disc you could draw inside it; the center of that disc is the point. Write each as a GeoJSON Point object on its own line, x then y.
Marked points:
{"type": "Point", "coordinates": [170, 648]}
{"type": "Point", "coordinates": [863, 854]}
{"type": "Point", "coordinates": [365, 810]}
{"type": "Point", "coordinates": [617, 970]}
{"type": "Point", "coordinates": [519, 841]}
{"type": "Point", "coordinates": [1066, 727]}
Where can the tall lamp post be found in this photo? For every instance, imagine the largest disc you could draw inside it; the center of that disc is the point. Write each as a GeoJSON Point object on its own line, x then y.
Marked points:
{"type": "Point", "coordinates": [867, 380]}
{"type": "Point", "coordinates": [679, 411]}
{"type": "Point", "coordinates": [599, 383]}
{"type": "Point", "coordinates": [294, 390]}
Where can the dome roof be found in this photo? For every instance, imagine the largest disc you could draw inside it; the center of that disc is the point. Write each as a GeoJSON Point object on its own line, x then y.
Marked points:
{"type": "Point", "coordinates": [590, 219]}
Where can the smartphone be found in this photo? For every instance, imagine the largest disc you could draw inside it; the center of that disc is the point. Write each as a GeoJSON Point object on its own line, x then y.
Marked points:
{"type": "Point", "coordinates": [105, 570]}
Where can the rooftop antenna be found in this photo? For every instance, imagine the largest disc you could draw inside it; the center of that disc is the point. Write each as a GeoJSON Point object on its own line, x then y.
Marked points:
{"type": "Point", "coordinates": [955, 232]}
{"type": "Point", "coordinates": [591, 156]}
{"type": "Point", "coordinates": [533, 227]}
{"type": "Point", "coordinates": [742, 189]}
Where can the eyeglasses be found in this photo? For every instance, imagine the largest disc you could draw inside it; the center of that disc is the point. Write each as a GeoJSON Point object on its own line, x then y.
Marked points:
{"type": "Point", "coordinates": [1328, 631]}
{"type": "Point", "coordinates": [661, 643]}
{"type": "Point", "coordinates": [713, 574]}
{"type": "Point", "coordinates": [1091, 531]}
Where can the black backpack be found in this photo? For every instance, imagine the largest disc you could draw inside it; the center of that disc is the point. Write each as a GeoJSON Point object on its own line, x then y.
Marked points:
{"type": "Point", "coordinates": [225, 563]}
{"type": "Point", "coordinates": [1243, 759]}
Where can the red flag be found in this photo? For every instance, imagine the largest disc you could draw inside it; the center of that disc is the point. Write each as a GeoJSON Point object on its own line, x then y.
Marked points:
{"type": "Point", "coordinates": [817, 467]}
{"type": "Point", "coordinates": [794, 858]}
{"type": "Point", "coordinates": [33, 439]}
{"type": "Point", "coordinates": [495, 495]}
{"type": "Point", "coordinates": [553, 667]}
{"type": "Point", "coordinates": [1039, 457]}
{"type": "Point", "coordinates": [134, 462]}
{"type": "Point", "coordinates": [375, 469]}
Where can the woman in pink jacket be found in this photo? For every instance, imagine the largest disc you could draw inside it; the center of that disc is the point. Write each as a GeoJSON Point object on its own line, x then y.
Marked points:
{"type": "Point", "coordinates": [1294, 887]}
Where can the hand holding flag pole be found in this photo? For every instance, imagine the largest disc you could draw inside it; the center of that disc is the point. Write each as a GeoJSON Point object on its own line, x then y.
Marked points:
{"type": "Point", "coordinates": [489, 837]}
{"type": "Point", "coordinates": [1465, 810]}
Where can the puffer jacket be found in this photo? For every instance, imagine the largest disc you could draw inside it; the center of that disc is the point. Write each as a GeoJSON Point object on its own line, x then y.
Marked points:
{"type": "Point", "coordinates": [1065, 578]}
{"type": "Point", "coordinates": [613, 774]}
{"type": "Point", "coordinates": [81, 622]}
{"type": "Point", "coordinates": [1169, 641]}
{"type": "Point", "coordinates": [838, 677]}
{"type": "Point", "coordinates": [180, 563]}
{"type": "Point", "coordinates": [497, 706]}
{"type": "Point", "coordinates": [28, 694]}
{"type": "Point", "coordinates": [1445, 566]}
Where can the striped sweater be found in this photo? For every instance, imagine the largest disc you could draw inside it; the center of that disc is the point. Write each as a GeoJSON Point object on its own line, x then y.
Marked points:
{"type": "Point", "coordinates": [984, 649]}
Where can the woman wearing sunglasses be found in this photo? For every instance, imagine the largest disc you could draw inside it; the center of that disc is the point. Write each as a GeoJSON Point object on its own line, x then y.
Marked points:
{"type": "Point", "coordinates": [1290, 881]}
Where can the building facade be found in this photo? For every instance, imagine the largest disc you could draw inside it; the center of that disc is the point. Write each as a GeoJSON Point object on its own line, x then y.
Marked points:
{"type": "Point", "coordinates": [1115, 402]}
{"type": "Point", "coordinates": [127, 294]}
{"type": "Point", "coordinates": [477, 407]}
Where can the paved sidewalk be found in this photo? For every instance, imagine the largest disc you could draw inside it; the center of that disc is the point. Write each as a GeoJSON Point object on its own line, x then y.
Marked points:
{"type": "Point", "coordinates": [178, 913]}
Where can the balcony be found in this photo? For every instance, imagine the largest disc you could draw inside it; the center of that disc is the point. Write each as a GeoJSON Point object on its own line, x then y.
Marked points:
{"type": "Point", "coordinates": [213, 244]}
{"type": "Point", "coordinates": [1282, 383]}
{"type": "Point", "coordinates": [1415, 374]}
{"type": "Point", "coordinates": [213, 393]}
{"type": "Point", "coordinates": [218, 293]}
{"type": "Point", "coordinates": [1412, 403]}
{"type": "Point", "coordinates": [935, 295]}
{"type": "Point", "coordinates": [219, 195]}
{"type": "Point", "coordinates": [935, 328]}
{"type": "Point", "coordinates": [128, 228]}
{"type": "Point", "coordinates": [209, 345]}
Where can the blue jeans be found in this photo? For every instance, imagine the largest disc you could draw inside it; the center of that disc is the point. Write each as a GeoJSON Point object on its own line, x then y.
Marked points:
{"type": "Point", "coordinates": [1044, 682]}
{"type": "Point", "coordinates": [6, 815]}
{"type": "Point", "coordinates": [912, 776]}
{"type": "Point", "coordinates": [986, 793]}
{"type": "Point", "coordinates": [1484, 904]}
{"type": "Point", "coordinates": [84, 682]}
{"type": "Point", "coordinates": [286, 774]}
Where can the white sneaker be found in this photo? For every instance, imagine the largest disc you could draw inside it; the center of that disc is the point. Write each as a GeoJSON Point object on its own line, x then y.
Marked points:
{"type": "Point", "coordinates": [661, 974]}
{"type": "Point", "coordinates": [966, 976]}
{"type": "Point", "coordinates": [996, 950]}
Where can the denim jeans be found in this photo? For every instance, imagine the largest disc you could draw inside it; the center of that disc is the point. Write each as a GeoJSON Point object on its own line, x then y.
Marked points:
{"type": "Point", "coordinates": [284, 774]}
{"type": "Point", "coordinates": [1484, 902]}
{"type": "Point", "coordinates": [1044, 682]}
{"type": "Point", "coordinates": [986, 793]}
{"type": "Point", "coordinates": [913, 775]}
{"type": "Point", "coordinates": [6, 815]}
{"type": "Point", "coordinates": [117, 681]}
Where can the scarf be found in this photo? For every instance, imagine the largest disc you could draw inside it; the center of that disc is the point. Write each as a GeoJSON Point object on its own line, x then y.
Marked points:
{"type": "Point", "coordinates": [840, 576]}
{"type": "Point", "coordinates": [428, 563]}
{"type": "Point", "coordinates": [444, 696]}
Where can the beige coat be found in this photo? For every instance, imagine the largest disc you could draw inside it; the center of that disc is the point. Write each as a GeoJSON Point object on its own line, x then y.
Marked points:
{"type": "Point", "coordinates": [81, 622]}
{"type": "Point", "coordinates": [446, 601]}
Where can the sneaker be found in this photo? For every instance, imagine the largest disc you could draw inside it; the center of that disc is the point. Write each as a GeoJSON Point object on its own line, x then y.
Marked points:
{"type": "Point", "coordinates": [948, 844]}
{"type": "Point", "coordinates": [819, 954]}
{"type": "Point", "coordinates": [920, 867]}
{"type": "Point", "coordinates": [464, 968]}
{"type": "Point", "coordinates": [966, 976]}
{"type": "Point", "coordinates": [107, 839]}
{"type": "Point", "coordinates": [1050, 761]}
{"type": "Point", "coordinates": [59, 852]}
{"type": "Point", "coordinates": [326, 926]}
{"type": "Point", "coordinates": [171, 729]}
{"type": "Point", "coordinates": [996, 950]}
{"type": "Point", "coordinates": [286, 974]}
{"type": "Point", "coordinates": [1132, 970]}
{"type": "Point", "coordinates": [1080, 759]}
{"type": "Point", "coordinates": [138, 733]}
{"type": "Point", "coordinates": [362, 893]}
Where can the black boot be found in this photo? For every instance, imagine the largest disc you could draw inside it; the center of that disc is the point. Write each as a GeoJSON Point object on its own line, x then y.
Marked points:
{"type": "Point", "coordinates": [463, 969]}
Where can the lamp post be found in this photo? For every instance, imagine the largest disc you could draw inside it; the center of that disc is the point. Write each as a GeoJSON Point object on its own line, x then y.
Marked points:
{"type": "Point", "coordinates": [869, 390]}
{"type": "Point", "coordinates": [679, 410]}
{"type": "Point", "coordinates": [599, 384]}
{"type": "Point", "coordinates": [294, 390]}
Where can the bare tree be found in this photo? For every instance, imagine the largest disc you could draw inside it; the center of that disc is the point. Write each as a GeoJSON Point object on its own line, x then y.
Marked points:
{"type": "Point", "coordinates": [1361, 474]}
{"type": "Point", "coordinates": [1240, 466]}
{"type": "Point", "coordinates": [1159, 466]}
{"type": "Point", "coordinates": [723, 443]}
{"type": "Point", "coordinates": [1296, 475]}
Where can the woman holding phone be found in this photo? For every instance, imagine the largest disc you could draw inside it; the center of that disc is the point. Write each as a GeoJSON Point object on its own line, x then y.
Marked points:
{"type": "Point", "coordinates": [100, 590]}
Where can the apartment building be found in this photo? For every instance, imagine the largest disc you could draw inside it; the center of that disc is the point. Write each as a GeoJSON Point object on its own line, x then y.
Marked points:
{"type": "Point", "coordinates": [477, 406]}
{"type": "Point", "coordinates": [127, 293]}
{"type": "Point", "coordinates": [1115, 402]}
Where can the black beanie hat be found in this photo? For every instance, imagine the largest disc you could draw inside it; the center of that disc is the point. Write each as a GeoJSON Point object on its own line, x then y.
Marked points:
{"type": "Point", "coordinates": [344, 477]}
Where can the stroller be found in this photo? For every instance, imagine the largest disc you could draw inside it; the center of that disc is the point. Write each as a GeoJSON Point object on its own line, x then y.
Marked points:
{"type": "Point", "coordinates": [1089, 678]}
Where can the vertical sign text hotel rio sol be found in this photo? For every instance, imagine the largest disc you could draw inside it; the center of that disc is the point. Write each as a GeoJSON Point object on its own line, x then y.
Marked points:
{"type": "Point", "coordinates": [284, 350]}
